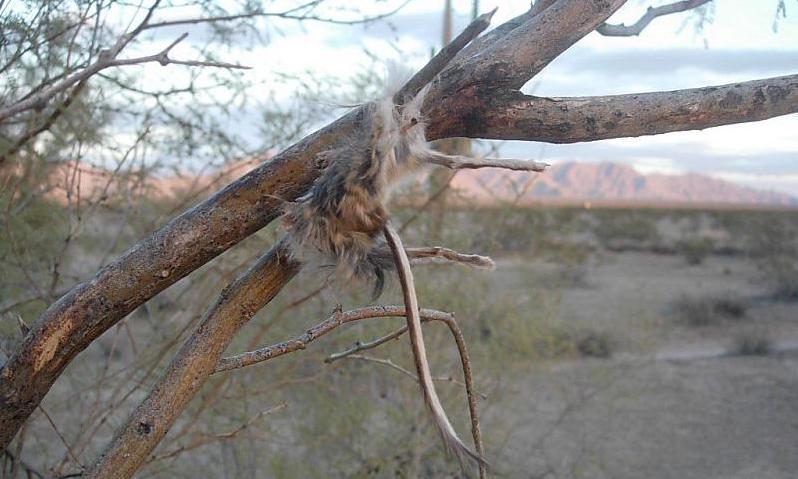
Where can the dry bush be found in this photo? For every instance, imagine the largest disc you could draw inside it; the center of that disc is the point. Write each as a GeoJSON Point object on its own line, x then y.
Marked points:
{"type": "Point", "coordinates": [701, 311]}
{"type": "Point", "coordinates": [752, 344]}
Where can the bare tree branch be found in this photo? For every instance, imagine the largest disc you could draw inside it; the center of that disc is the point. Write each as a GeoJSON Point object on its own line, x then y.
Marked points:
{"type": "Point", "coordinates": [516, 116]}
{"type": "Point", "coordinates": [193, 364]}
{"type": "Point", "coordinates": [185, 243]}
{"type": "Point", "coordinates": [300, 342]}
{"type": "Point", "coordinates": [290, 14]}
{"type": "Point", "coordinates": [460, 99]}
{"type": "Point", "coordinates": [406, 372]}
{"type": "Point", "coordinates": [340, 318]}
{"type": "Point", "coordinates": [106, 59]}
{"type": "Point", "coordinates": [651, 13]}
{"type": "Point", "coordinates": [45, 125]}
{"type": "Point", "coordinates": [209, 438]}
{"type": "Point", "coordinates": [474, 96]}
{"type": "Point", "coordinates": [424, 76]}
{"type": "Point", "coordinates": [162, 57]}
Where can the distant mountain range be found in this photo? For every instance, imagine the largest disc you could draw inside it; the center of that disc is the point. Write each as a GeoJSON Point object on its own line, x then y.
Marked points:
{"type": "Point", "coordinates": [609, 183]}
{"type": "Point", "coordinates": [600, 184]}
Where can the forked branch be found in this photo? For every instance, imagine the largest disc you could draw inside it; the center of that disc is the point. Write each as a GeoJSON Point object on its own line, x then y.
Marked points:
{"type": "Point", "coordinates": [192, 365]}
{"type": "Point", "coordinates": [636, 28]}
{"type": "Point", "coordinates": [516, 116]}
{"type": "Point", "coordinates": [337, 319]}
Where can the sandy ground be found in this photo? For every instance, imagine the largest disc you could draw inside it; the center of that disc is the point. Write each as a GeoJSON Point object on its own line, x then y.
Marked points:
{"type": "Point", "coordinates": [658, 409]}
{"type": "Point", "coordinates": [732, 418]}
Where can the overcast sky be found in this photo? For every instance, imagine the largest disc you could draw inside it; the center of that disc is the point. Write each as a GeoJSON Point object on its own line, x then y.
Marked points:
{"type": "Point", "coordinates": [739, 44]}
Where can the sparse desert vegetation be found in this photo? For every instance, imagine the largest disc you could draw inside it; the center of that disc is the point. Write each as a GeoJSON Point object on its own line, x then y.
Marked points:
{"type": "Point", "coordinates": [574, 291]}
{"type": "Point", "coordinates": [709, 310]}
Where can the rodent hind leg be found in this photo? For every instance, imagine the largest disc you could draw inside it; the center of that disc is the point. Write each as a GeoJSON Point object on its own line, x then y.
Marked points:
{"type": "Point", "coordinates": [459, 162]}
{"type": "Point", "coordinates": [452, 442]}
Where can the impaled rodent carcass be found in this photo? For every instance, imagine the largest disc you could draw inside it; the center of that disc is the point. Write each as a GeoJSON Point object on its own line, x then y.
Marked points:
{"type": "Point", "coordinates": [343, 216]}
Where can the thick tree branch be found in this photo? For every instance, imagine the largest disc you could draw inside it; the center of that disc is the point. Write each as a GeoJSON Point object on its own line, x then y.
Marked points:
{"type": "Point", "coordinates": [516, 116]}
{"type": "Point", "coordinates": [169, 254]}
{"type": "Point", "coordinates": [460, 99]}
{"type": "Point", "coordinates": [193, 364]}
{"type": "Point", "coordinates": [652, 13]}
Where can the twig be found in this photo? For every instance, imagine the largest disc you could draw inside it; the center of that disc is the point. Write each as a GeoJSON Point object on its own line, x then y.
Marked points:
{"type": "Point", "coordinates": [361, 346]}
{"type": "Point", "coordinates": [406, 372]}
{"type": "Point", "coordinates": [61, 437]}
{"type": "Point", "coordinates": [636, 28]}
{"type": "Point", "coordinates": [46, 125]}
{"type": "Point", "coordinates": [162, 57]}
{"type": "Point", "coordinates": [286, 14]}
{"type": "Point", "coordinates": [442, 58]}
{"type": "Point", "coordinates": [468, 377]}
{"type": "Point", "coordinates": [201, 441]}
{"type": "Point", "coordinates": [337, 319]}
{"type": "Point", "coordinates": [471, 393]}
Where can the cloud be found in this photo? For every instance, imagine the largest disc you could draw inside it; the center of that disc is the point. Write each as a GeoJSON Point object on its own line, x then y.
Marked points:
{"type": "Point", "coordinates": [658, 62]}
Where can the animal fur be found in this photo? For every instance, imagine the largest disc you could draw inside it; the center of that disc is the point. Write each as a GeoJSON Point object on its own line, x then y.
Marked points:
{"type": "Point", "coordinates": [344, 215]}
{"type": "Point", "coordinates": [341, 218]}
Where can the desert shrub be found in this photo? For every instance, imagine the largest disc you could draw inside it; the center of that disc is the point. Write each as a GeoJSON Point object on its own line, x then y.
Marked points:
{"type": "Point", "coordinates": [752, 344]}
{"type": "Point", "coordinates": [708, 310]}
{"type": "Point", "coordinates": [696, 250]}
{"type": "Point", "coordinates": [770, 238]}
{"type": "Point", "coordinates": [594, 344]}
{"type": "Point", "coordinates": [620, 230]}
{"type": "Point", "coordinates": [782, 274]}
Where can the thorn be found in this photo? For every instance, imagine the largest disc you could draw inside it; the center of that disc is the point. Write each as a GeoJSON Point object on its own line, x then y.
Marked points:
{"type": "Point", "coordinates": [487, 17]}
{"type": "Point", "coordinates": [22, 326]}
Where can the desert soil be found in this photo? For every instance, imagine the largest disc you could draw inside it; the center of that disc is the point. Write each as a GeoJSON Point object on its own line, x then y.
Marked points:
{"type": "Point", "coordinates": [674, 401]}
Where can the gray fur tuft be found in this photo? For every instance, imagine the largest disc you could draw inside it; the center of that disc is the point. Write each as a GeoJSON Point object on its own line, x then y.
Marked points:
{"type": "Point", "coordinates": [340, 220]}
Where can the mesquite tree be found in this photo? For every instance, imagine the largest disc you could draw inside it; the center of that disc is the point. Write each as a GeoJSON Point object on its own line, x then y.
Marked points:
{"type": "Point", "coordinates": [475, 93]}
